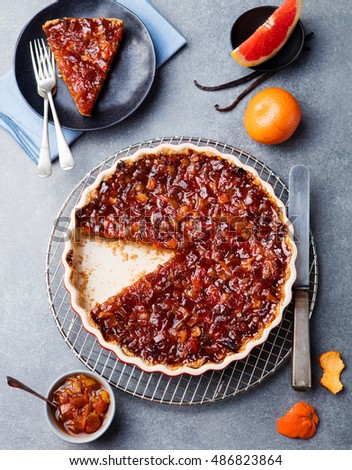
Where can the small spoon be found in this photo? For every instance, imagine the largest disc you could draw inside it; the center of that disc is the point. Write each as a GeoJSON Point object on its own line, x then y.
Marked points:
{"type": "Point", "coordinates": [17, 384]}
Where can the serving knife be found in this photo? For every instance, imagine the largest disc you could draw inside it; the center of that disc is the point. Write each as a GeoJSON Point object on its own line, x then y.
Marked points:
{"type": "Point", "coordinates": [299, 201]}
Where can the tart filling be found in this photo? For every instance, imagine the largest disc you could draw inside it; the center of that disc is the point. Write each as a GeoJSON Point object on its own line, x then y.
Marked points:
{"type": "Point", "coordinates": [226, 283]}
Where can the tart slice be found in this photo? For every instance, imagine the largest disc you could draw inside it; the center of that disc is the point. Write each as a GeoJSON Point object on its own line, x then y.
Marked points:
{"type": "Point", "coordinates": [84, 49]}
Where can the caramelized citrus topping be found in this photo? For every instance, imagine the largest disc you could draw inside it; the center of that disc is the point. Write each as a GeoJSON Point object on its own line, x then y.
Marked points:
{"type": "Point", "coordinates": [82, 405]}
{"type": "Point", "coordinates": [225, 281]}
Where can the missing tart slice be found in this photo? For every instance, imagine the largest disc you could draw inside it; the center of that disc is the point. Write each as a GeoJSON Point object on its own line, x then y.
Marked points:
{"type": "Point", "coordinates": [84, 49]}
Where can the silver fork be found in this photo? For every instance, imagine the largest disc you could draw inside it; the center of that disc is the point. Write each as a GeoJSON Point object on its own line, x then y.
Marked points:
{"type": "Point", "coordinates": [44, 72]}
{"type": "Point", "coordinates": [44, 162]}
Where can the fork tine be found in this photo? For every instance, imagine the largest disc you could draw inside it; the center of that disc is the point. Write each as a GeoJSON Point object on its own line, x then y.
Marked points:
{"type": "Point", "coordinates": [39, 62]}
{"type": "Point", "coordinates": [53, 63]}
{"type": "Point", "coordinates": [43, 61]}
{"type": "Point", "coordinates": [48, 56]}
{"type": "Point", "coordinates": [33, 61]}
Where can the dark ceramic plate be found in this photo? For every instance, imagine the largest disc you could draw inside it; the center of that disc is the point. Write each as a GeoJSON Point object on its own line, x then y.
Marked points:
{"type": "Point", "coordinates": [247, 23]}
{"type": "Point", "coordinates": [129, 79]}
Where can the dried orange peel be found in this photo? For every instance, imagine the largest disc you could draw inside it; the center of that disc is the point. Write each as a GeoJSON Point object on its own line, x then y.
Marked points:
{"type": "Point", "coordinates": [332, 365]}
{"type": "Point", "coordinates": [300, 421]}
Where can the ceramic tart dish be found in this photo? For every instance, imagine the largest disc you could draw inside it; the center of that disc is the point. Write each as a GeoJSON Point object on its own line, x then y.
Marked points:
{"type": "Point", "coordinates": [213, 253]}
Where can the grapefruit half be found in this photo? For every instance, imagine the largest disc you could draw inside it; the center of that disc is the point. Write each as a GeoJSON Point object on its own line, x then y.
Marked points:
{"type": "Point", "coordinates": [271, 36]}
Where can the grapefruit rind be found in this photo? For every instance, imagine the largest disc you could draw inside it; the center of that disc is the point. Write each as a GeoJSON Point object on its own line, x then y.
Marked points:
{"type": "Point", "coordinates": [265, 33]}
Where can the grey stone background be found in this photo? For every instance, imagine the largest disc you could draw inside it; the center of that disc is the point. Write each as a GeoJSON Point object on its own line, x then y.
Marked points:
{"type": "Point", "coordinates": [32, 349]}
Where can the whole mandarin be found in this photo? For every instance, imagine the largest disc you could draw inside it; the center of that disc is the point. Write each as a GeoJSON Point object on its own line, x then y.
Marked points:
{"type": "Point", "coordinates": [272, 116]}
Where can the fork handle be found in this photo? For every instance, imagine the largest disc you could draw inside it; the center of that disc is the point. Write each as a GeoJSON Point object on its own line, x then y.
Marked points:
{"type": "Point", "coordinates": [44, 162]}
{"type": "Point", "coordinates": [65, 155]}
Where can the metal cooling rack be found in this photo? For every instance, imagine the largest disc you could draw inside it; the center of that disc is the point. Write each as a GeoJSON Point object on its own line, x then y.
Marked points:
{"type": "Point", "coordinates": [240, 376]}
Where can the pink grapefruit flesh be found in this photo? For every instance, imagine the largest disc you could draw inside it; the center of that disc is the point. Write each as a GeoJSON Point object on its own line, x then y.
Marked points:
{"type": "Point", "coordinates": [271, 36]}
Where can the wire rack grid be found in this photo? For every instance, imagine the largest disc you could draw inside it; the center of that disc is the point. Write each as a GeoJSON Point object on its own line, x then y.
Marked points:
{"type": "Point", "coordinates": [240, 376]}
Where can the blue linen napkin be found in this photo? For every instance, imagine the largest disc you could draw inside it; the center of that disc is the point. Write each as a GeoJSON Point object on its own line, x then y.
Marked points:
{"type": "Point", "coordinates": [26, 126]}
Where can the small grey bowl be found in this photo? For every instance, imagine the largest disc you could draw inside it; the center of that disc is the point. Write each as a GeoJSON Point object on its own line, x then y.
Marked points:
{"type": "Point", "coordinates": [89, 437]}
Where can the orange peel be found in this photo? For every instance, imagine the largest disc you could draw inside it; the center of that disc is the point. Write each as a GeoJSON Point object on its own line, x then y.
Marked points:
{"type": "Point", "coordinates": [332, 366]}
{"type": "Point", "coordinates": [300, 421]}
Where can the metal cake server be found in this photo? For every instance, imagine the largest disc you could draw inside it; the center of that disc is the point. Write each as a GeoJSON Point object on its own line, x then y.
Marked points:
{"type": "Point", "coordinates": [299, 200]}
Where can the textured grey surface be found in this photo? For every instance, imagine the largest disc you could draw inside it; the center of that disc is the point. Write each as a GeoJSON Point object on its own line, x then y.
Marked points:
{"type": "Point", "coordinates": [31, 348]}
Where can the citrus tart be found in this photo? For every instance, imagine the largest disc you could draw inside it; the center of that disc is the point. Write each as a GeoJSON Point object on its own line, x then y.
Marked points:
{"type": "Point", "coordinates": [231, 265]}
{"type": "Point", "coordinates": [84, 49]}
